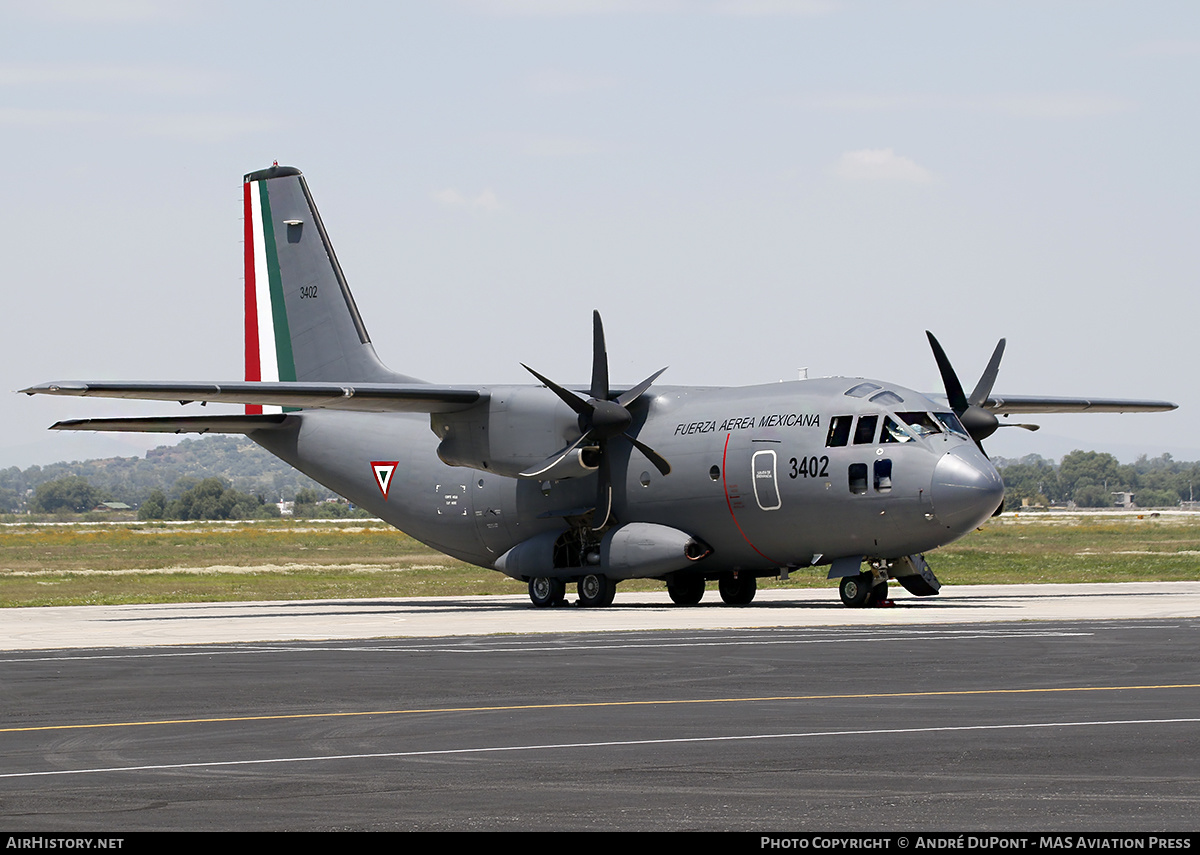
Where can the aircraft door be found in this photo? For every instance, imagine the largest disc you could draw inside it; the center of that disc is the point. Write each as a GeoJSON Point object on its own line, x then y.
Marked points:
{"type": "Point", "coordinates": [763, 468]}
{"type": "Point", "coordinates": [753, 495]}
{"type": "Point", "coordinates": [487, 507]}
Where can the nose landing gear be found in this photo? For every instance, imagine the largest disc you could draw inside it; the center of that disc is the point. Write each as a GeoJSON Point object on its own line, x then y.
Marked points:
{"type": "Point", "coordinates": [863, 590]}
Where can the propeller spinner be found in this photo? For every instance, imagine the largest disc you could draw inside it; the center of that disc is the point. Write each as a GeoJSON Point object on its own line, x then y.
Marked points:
{"type": "Point", "coordinates": [602, 417]}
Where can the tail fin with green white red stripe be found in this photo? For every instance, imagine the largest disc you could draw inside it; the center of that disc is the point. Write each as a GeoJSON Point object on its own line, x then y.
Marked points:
{"type": "Point", "coordinates": [301, 320]}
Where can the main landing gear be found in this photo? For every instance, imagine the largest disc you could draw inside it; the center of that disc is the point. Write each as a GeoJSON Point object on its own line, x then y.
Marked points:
{"type": "Point", "coordinates": [737, 589]}
{"type": "Point", "coordinates": [595, 589]}
{"type": "Point", "coordinates": [687, 591]}
{"type": "Point", "coordinates": [544, 591]}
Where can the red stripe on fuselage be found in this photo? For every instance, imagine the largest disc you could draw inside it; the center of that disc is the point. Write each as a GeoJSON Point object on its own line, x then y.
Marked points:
{"type": "Point", "coordinates": [253, 366]}
{"type": "Point", "coordinates": [729, 502]}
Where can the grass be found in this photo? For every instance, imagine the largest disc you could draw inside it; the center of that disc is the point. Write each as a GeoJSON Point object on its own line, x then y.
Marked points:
{"type": "Point", "coordinates": [78, 564]}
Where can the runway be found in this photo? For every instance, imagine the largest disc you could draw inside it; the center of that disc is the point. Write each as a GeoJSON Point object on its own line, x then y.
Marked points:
{"type": "Point", "coordinates": [915, 723]}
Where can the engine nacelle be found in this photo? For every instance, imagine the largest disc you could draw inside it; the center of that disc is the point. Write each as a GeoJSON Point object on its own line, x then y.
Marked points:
{"type": "Point", "coordinates": [517, 428]}
{"type": "Point", "coordinates": [648, 550]}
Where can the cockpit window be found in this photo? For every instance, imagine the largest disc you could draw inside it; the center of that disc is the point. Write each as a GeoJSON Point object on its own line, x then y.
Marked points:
{"type": "Point", "coordinates": [887, 399]}
{"type": "Point", "coordinates": [922, 423]}
{"type": "Point", "coordinates": [864, 432]}
{"type": "Point", "coordinates": [892, 432]}
{"type": "Point", "coordinates": [952, 424]}
{"type": "Point", "coordinates": [862, 390]}
{"type": "Point", "coordinates": [839, 431]}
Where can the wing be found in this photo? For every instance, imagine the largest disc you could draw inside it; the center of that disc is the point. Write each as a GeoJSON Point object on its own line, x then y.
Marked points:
{"type": "Point", "coordinates": [358, 397]}
{"type": "Point", "coordinates": [1013, 404]}
{"type": "Point", "coordinates": [1033, 404]}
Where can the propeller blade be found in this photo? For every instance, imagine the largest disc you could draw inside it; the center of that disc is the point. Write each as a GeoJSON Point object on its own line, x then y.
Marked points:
{"type": "Point", "coordinates": [979, 422]}
{"type": "Point", "coordinates": [984, 387]}
{"type": "Point", "coordinates": [599, 359]}
{"type": "Point", "coordinates": [1017, 424]}
{"type": "Point", "coordinates": [954, 390]}
{"type": "Point", "coordinates": [601, 417]}
{"type": "Point", "coordinates": [660, 462]}
{"type": "Point", "coordinates": [631, 395]}
{"type": "Point", "coordinates": [569, 398]}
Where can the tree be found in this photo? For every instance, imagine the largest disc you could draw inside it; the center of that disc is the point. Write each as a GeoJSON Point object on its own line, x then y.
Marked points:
{"type": "Point", "coordinates": [210, 499]}
{"type": "Point", "coordinates": [1081, 469]}
{"type": "Point", "coordinates": [154, 507]}
{"type": "Point", "coordinates": [72, 493]}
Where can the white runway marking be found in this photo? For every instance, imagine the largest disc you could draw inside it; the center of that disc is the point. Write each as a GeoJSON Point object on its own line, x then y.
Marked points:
{"type": "Point", "coordinates": [564, 746]}
{"type": "Point", "coordinates": [585, 643]}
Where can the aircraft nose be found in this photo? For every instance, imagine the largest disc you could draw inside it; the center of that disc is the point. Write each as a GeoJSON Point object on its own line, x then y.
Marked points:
{"type": "Point", "coordinates": [966, 490]}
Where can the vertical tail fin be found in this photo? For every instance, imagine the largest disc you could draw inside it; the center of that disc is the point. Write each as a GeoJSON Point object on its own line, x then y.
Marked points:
{"type": "Point", "coordinates": [301, 320]}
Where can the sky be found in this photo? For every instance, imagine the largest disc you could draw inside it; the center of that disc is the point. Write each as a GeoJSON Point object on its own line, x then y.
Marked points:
{"type": "Point", "coordinates": [743, 188]}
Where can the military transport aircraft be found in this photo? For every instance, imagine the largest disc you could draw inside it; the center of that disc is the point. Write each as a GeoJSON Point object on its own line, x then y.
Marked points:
{"type": "Point", "coordinates": [552, 485]}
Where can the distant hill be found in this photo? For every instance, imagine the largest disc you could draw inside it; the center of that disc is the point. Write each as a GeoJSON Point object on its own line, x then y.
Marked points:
{"type": "Point", "coordinates": [235, 459]}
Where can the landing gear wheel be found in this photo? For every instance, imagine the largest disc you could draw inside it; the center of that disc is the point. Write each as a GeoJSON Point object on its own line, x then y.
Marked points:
{"type": "Point", "coordinates": [878, 594]}
{"type": "Point", "coordinates": [737, 590]}
{"type": "Point", "coordinates": [855, 590]}
{"type": "Point", "coordinates": [686, 591]}
{"type": "Point", "coordinates": [545, 591]}
{"type": "Point", "coordinates": [596, 589]}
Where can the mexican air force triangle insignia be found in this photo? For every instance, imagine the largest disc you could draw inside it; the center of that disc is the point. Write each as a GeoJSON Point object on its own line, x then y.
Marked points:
{"type": "Point", "coordinates": [384, 470]}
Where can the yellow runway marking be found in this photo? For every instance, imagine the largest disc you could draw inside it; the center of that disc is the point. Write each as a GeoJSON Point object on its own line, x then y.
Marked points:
{"type": "Point", "coordinates": [594, 704]}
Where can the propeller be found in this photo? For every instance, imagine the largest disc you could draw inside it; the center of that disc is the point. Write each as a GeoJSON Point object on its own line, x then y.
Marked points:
{"type": "Point", "coordinates": [979, 422]}
{"type": "Point", "coordinates": [603, 417]}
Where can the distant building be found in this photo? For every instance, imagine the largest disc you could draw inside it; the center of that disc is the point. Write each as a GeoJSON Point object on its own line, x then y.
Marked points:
{"type": "Point", "coordinates": [113, 506]}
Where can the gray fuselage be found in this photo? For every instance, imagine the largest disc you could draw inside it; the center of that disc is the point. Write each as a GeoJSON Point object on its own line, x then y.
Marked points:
{"type": "Point", "coordinates": [755, 473]}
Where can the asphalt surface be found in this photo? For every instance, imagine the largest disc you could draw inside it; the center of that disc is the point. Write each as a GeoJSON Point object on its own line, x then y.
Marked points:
{"type": "Point", "coordinates": [201, 623]}
{"type": "Point", "coordinates": [912, 725]}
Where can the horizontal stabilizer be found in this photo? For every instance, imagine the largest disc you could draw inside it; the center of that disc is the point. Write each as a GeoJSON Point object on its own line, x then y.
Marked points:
{"type": "Point", "coordinates": [183, 424]}
{"type": "Point", "coordinates": [360, 397]}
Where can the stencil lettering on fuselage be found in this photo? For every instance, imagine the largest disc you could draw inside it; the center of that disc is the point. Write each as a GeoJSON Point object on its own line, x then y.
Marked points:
{"type": "Point", "coordinates": [451, 499]}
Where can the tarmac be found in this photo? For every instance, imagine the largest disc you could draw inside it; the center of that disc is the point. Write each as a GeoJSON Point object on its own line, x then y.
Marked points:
{"type": "Point", "coordinates": [421, 617]}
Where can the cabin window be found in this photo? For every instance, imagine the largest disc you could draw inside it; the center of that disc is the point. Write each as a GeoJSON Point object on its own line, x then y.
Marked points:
{"type": "Point", "coordinates": [892, 432]}
{"type": "Point", "coordinates": [952, 424]}
{"type": "Point", "coordinates": [839, 431]}
{"type": "Point", "coordinates": [864, 433]}
{"type": "Point", "coordinates": [862, 390]}
{"type": "Point", "coordinates": [858, 477]}
{"type": "Point", "coordinates": [883, 475]}
{"type": "Point", "coordinates": [922, 423]}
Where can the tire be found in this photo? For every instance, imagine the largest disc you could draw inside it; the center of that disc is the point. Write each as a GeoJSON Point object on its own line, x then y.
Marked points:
{"type": "Point", "coordinates": [879, 594]}
{"type": "Point", "coordinates": [686, 591]}
{"type": "Point", "coordinates": [596, 590]}
{"type": "Point", "coordinates": [544, 591]}
{"type": "Point", "coordinates": [737, 591]}
{"type": "Point", "coordinates": [855, 590]}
